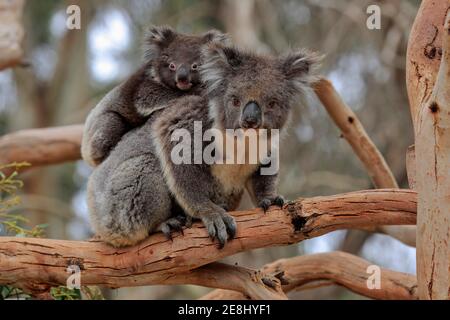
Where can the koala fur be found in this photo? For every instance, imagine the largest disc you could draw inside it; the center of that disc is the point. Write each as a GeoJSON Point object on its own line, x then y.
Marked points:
{"type": "Point", "coordinates": [170, 71]}
{"type": "Point", "coordinates": [138, 189]}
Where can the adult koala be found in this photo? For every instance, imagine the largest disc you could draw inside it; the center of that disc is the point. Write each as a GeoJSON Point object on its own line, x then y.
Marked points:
{"type": "Point", "coordinates": [137, 190]}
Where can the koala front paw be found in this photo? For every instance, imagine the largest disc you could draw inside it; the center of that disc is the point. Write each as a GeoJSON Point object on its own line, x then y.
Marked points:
{"type": "Point", "coordinates": [220, 226]}
{"type": "Point", "coordinates": [267, 202]}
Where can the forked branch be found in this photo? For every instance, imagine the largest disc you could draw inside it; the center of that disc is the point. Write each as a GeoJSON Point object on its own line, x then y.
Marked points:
{"type": "Point", "coordinates": [337, 268]}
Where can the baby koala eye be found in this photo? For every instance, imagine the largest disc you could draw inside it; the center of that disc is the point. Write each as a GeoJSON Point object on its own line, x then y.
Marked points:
{"type": "Point", "coordinates": [236, 102]}
{"type": "Point", "coordinates": [172, 66]}
{"type": "Point", "coordinates": [194, 66]}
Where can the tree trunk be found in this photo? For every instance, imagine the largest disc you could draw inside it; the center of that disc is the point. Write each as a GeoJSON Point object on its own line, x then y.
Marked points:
{"type": "Point", "coordinates": [429, 92]}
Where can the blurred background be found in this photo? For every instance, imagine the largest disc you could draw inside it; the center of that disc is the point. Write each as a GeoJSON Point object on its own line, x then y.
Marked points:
{"type": "Point", "coordinates": [67, 72]}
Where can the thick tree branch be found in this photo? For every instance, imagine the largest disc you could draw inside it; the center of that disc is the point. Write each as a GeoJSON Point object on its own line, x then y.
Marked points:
{"type": "Point", "coordinates": [330, 268]}
{"type": "Point", "coordinates": [36, 264]}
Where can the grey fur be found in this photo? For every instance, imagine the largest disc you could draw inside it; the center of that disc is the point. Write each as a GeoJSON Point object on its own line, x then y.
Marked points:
{"type": "Point", "coordinates": [137, 188]}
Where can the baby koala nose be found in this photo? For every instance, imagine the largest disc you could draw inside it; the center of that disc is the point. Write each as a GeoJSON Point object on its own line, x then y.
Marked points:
{"type": "Point", "coordinates": [182, 74]}
{"type": "Point", "coordinates": [251, 116]}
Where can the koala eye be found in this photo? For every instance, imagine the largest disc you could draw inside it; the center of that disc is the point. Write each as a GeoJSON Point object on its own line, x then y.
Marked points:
{"type": "Point", "coordinates": [194, 66]}
{"type": "Point", "coordinates": [172, 66]}
{"type": "Point", "coordinates": [236, 102]}
{"type": "Point", "coordinates": [272, 104]}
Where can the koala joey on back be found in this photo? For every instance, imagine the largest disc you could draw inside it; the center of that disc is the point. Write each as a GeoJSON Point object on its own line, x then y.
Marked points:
{"type": "Point", "coordinates": [170, 70]}
{"type": "Point", "coordinates": [138, 190]}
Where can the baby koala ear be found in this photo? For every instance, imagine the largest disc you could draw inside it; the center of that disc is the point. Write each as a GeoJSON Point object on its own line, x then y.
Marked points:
{"type": "Point", "coordinates": [217, 36]}
{"type": "Point", "coordinates": [219, 62]}
{"type": "Point", "coordinates": [157, 37]}
{"type": "Point", "coordinates": [301, 67]}
{"type": "Point", "coordinates": [162, 35]}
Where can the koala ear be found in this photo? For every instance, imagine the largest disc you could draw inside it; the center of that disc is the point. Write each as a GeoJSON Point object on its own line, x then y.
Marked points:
{"type": "Point", "coordinates": [157, 37]}
{"type": "Point", "coordinates": [218, 62]}
{"type": "Point", "coordinates": [300, 67]}
{"type": "Point", "coordinates": [217, 36]}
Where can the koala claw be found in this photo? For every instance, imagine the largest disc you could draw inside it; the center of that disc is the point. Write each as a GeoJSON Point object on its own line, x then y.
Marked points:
{"type": "Point", "coordinates": [172, 224]}
{"type": "Point", "coordinates": [279, 201]}
{"type": "Point", "coordinates": [266, 203]}
{"type": "Point", "coordinates": [221, 226]}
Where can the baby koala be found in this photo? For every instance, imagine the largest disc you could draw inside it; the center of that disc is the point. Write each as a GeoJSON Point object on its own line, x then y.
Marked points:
{"type": "Point", "coordinates": [170, 70]}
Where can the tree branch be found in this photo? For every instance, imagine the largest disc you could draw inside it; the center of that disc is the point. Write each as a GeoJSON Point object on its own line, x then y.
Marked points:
{"type": "Point", "coordinates": [42, 146]}
{"type": "Point", "coordinates": [255, 285]}
{"type": "Point", "coordinates": [353, 131]}
{"type": "Point", "coordinates": [330, 268]}
{"type": "Point", "coordinates": [36, 264]}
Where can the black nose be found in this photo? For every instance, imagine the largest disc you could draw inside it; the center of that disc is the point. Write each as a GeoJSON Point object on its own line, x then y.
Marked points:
{"type": "Point", "coordinates": [251, 116]}
{"type": "Point", "coordinates": [182, 74]}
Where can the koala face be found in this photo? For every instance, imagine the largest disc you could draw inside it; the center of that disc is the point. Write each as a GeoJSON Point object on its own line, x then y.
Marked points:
{"type": "Point", "coordinates": [176, 58]}
{"type": "Point", "coordinates": [178, 65]}
{"type": "Point", "coordinates": [254, 91]}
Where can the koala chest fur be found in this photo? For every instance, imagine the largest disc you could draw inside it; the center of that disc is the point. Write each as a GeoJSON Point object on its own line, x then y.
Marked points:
{"type": "Point", "coordinates": [233, 177]}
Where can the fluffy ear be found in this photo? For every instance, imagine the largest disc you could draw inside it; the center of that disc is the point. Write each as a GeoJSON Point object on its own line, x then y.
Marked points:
{"type": "Point", "coordinates": [157, 37]}
{"type": "Point", "coordinates": [218, 62]}
{"type": "Point", "coordinates": [301, 67]}
{"type": "Point", "coordinates": [217, 36]}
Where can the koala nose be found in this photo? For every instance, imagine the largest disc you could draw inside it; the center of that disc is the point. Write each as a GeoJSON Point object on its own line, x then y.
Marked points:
{"type": "Point", "coordinates": [251, 116]}
{"type": "Point", "coordinates": [182, 74]}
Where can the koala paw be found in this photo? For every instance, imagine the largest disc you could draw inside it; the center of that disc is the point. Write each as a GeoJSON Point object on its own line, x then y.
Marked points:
{"type": "Point", "coordinates": [220, 226]}
{"type": "Point", "coordinates": [99, 149]}
{"type": "Point", "coordinates": [172, 225]}
{"type": "Point", "coordinates": [267, 202]}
